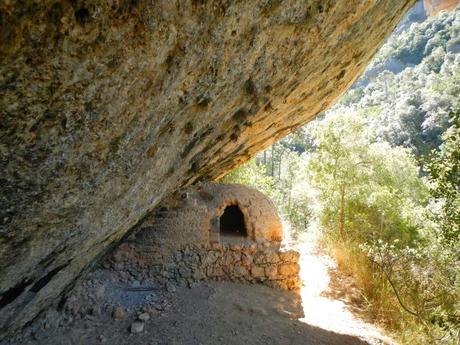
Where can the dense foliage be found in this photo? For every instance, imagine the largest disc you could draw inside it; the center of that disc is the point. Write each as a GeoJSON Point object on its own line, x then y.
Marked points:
{"type": "Point", "coordinates": [374, 202]}
{"type": "Point", "coordinates": [367, 189]}
{"type": "Point", "coordinates": [420, 41]}
{"type": "Point", "coordinates": [444, 175]}
{"type": "Point", "coordinates": [411, 108]}
{"type": "Point", "coordinates": [380, 172]}
{"type": "Point", "coordinates": [280, 174]}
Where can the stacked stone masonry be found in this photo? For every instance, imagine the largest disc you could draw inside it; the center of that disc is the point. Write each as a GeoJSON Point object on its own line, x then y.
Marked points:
{"type": "Point", "coordinates": [182, 240]}
{"type": "Point", "coordinates": [246, 264]}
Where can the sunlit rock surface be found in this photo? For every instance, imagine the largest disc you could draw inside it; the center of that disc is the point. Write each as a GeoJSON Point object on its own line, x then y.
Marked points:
{"type": "Point", "coordinates": [107, 106]}
{"type": "Point", "coordinates": [433, 7]}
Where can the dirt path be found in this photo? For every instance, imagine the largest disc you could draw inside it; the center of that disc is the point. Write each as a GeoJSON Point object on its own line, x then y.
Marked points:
{"type": "Point", "coordinates": [321, 305]}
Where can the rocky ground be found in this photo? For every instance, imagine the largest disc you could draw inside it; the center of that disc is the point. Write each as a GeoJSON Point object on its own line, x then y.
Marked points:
{"type": "Point", "coordinates": [105, 309]}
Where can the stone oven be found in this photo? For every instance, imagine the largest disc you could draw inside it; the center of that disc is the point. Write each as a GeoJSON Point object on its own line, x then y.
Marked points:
{"type": "Point", "coordinates": [229, 213]}
{"type": "Point", "coordinates": [212, 231]}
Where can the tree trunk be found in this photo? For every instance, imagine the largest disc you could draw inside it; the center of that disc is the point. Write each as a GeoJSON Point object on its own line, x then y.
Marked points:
{"type": "Point", "coordinates": [273, 161]}
{"type": "Point", "coordinates": [289, 195]}
{"type": "Point", "coordinates": [341, 223]}
{"type": "Point", "coordinates": [279, 167]}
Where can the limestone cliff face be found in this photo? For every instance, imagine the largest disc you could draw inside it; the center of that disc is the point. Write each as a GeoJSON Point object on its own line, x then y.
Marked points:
{"type": "Point", "coordinates": [106, 106]}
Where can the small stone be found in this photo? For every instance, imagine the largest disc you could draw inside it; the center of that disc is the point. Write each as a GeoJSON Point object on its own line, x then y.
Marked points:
{"type": "Point", "coordinates": [102, 339]}
{"type": "Point", "coordinates": [135, 283]}
{"type": "Point", "coordinates": [159, 307]}
{"type": "Point", "coordinates": [293, 284]}
{"type": "Point", "coordinates": [170, 287]}
{"type": "Point", "coordinates": [144, 317]}
{"type": "Point", "coordinates": [119, 313]}
{"type": "Point", "coordinates": [185, 272]}
{"type": "Point", "coordinates": [198, 275]}
{"type": "Point", "coordinates": [210, 258]}
{"type": "Point", "coordinates": [95, 311]}
{"type": "Point", "coordinates": [100, 291]}
{"type": "Point", "coordinates": [240, 307]}
{"type": "Point", "coordinates": [260, 258]}
{"type": "Point", "coordinates": [259, 311]}
{"type": "Point", "coordinates": [137, 327]}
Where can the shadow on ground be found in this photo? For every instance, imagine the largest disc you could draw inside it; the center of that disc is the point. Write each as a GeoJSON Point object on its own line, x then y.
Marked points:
{"type": "Point", "coordinates": [206, 314]}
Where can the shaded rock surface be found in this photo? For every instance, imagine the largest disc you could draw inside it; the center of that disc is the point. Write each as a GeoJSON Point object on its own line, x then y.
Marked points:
{"type": "Point", "coordinates": [105, 107]}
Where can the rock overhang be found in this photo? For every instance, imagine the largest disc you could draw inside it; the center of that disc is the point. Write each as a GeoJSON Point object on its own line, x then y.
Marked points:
{"type": "Point", "coordinates": [106, 108]}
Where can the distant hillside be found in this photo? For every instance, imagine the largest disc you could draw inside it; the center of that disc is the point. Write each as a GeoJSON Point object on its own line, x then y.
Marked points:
{"type": "Point", "coordinates": [416, 14]}
{"type": "Point", "coordinates": [415, 38]}
{"type": "Point", "coordinates": [413, 83]}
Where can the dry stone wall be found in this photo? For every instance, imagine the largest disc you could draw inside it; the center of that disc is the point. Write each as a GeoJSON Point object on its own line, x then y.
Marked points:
{"type": "Point", "coordinates": [246, 264]}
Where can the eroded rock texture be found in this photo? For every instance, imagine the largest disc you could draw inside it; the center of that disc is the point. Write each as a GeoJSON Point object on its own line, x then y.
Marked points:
{"type": "Point", "coordinates": [106, 106]}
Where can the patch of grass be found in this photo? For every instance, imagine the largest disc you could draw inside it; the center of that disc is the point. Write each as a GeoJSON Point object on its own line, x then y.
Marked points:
{"type": "Point", "coordinates": [379, 303]}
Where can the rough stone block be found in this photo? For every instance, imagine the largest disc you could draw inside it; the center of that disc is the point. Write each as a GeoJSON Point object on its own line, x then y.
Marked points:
{"type": "Point", "coordinates": [271, 272]}
{"type": "Point", "coordinates": [289, 256]}
{"type": "Point", "coordinates": [287, 270]}
{"type": "Point", "coordinates": [246, 259]}
{"type": "Point", "coordinates": [257, 271]}
{"type": "Point", "coordinates": [241, 271]}
{"type": "Point", "coordinates": [215, 272]}
{"type": "Point", "coordinates": [293, 283]}
{"type": "Point", "coordinates": [210, 257]}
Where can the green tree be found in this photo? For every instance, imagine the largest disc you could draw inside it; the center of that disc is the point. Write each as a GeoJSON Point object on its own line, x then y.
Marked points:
{"type": "Point", "coordinates": [367, 189]}
{"type": "Point", "coordinates": [254, 175]}
{"type": "Point", "coordinates": [444, 177]}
